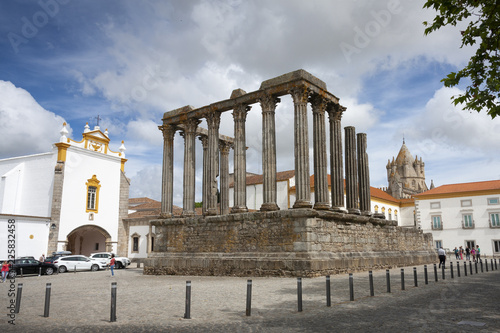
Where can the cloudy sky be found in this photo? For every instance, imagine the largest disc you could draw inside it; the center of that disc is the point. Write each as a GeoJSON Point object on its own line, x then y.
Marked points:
{"type": "Point", "coordinates": [131, 61]}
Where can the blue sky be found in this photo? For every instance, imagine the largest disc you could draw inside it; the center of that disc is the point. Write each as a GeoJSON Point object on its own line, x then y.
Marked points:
{"type": "Point", "coordinates": [131, 61]}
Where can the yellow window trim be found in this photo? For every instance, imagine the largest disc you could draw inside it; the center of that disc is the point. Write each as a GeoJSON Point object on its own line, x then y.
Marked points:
{"type": "Point", "coordinates": [92, 182]}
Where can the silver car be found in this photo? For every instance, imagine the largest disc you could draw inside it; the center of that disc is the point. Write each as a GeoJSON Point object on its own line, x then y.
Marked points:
{"type": "Point", "coordinates": [78, 263]}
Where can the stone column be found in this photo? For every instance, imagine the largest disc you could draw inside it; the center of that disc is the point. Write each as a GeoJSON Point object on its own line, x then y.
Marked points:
{"type": "Point", "coordinates": [336, 164]}
{"type": "Point", "coordinates": [224, 147]}
{"type": "Point", "coordinates": [269, 195]}
{"type": "Point", "coordinates": [167, 183]}
{"type": "Point", "coordinates": [213, 122]}
{"type": "Point", "coordinates": [240, 168]}
{"type": "Point", "coordinates": [363, 176]}
{"type": "Point", "coordinates": [204, 193]}
{"type": "Point", "coordinates": [301, 141]}
{"type": "Point", "coordinates": [351, 172]}
{"type": "Point", "coordinates": [321, 200]}
{"type": "Point", "coordinates": [189, 185]}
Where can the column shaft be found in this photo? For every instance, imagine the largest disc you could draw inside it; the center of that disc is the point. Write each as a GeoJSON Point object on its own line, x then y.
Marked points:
{"type": "Point", "coordinates": [336, 163]}
{"type": "Point", "coordinates": [268, 104]}
{"type": "Point", "coordinates": [301, 141]}
{"type": "Point", "coordinates": [224, 177]}
{"type": "Point", "coordinates": [363, 176]}
{"type": "Point", "coordinates": [189, 185]}
{"type": "Point", "coordinates": [240, 168]}
{"type": "Point", "coordinates": [213, 122]}
{"type": "Point", "coordinates": [167, 184]}
{"type": "Point", "coordinates": [351, 170]}
{"type": "Point", "coordinates": [204, 192]}
{"type": "Point", "coordinates": [321, 200]}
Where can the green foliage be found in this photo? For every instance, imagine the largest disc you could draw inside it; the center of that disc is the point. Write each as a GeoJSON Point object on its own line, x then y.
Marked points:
{"type": "Point", "coordinates": [198, 204]}
{"type": "Point", "coordinates": [483, 32]}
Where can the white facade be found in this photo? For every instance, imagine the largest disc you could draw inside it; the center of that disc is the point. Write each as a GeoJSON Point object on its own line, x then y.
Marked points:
{"type": "Point", "coordinates": [457, 218]}
{"type": "Point", "coordinates": [47, 195]}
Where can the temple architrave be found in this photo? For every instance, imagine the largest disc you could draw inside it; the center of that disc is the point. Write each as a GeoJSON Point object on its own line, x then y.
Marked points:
{"type": "Point", "coordinates": [316, 236]}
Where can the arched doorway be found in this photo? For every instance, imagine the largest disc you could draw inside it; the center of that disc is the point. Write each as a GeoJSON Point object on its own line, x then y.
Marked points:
{"type": "Point", "coordinates": [88, 239]}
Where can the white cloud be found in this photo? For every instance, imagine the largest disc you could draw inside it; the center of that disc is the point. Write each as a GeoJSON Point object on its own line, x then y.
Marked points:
{"type": "Point", "coordinates": [26, 127]}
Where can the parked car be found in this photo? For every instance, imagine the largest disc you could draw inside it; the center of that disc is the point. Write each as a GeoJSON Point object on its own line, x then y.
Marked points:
{"type": "Point", "coordinates": [120, 262]}
{"type": "Point", "coordinates": [57, 255]}
{"type": "Point", "coordinates": [79, 263]}
{"type": "Point", "coordinates": [30, 266]}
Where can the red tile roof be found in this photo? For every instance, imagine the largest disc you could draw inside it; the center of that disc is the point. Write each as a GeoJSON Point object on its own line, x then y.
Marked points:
{"type": "Point", "coordinates": [462, 187]}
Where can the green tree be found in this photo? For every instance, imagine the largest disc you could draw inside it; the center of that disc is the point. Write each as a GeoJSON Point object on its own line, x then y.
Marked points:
{"type": "Point", "coordinates": [483, 31]}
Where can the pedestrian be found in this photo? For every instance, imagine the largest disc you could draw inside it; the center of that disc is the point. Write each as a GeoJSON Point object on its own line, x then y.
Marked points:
{"type": "Point", "coordinates": [473, 252]}
{"type": "Point", "coordinates": [112, 264]}
{"type": "Point", "coordinates": [456, 253]}
{"type": "Point", "coordinates": [478, 253]}
{"type": "Point", "coordinates": [442, 257]}
{"type": "Point", "coordinates": [42, 258]}
{"type": "Point", "coordinates": [5, 270]}
{"type": "Point", "coordinates": [467, 253]}
{"type": "Point", "coordinates": [461, 250]}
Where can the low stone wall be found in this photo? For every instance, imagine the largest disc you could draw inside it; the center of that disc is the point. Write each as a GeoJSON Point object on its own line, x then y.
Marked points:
{"type": "Point", "coordinates": [298, 242]}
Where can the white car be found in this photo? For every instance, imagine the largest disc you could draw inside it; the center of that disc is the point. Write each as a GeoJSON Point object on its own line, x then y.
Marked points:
{"type": "Point", "coordinates": [120, 262]}
{"type": "Point", "coordinates": [79, 263]}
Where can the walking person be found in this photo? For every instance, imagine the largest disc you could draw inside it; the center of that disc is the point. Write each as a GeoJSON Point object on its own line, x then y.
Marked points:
{"type": "Point", "coordinates": [112, 264]}
{"type": "Point", "coordinates": [461, 253]}
{"type": "Point", "coordinates": [478, 253]}
{"type": "Point", "coordinates": [5, 270]}
{"type": "Point", "coordinates": [442, 257]}
{"type": "Point", "coordinates": [456, 253]}
{"type": "Point", "coordinates": [42, 258]}
{"type": "Point", "coordinates": [473, 252]}
{"type": "Point", "coordinates": [467, 253]}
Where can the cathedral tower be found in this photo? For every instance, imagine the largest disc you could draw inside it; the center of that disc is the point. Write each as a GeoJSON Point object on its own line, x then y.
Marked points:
{"type": "Point", "coordinates": [405, 174]}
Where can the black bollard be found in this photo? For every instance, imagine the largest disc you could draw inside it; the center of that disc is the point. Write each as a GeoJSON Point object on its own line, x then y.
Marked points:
{"type": "Point", "coordinates": [481, 263]}
{"type": "Point", "coordinates": [435, 273]}
{"type": "Point", "coordinates": [402, 279]}
{"type": "Point", "coordinates": [475, 264]}
{"type": "Point", "coordinates": [18, 296]}
{"type": "Point", "coordinates": [328, 292]}
{"type": "Point", "coordinates": [496, 264]}
{"type": "Point", "coordinates": [187, 313]}
{"type": "Point", "coordinates": [351, 287]}
{"type": "Point", "coordinates": [470, 266]}
{"type": "Point", "coordinates": [451, 269]}
{"type": "Point", "coordinates": [486, 264]}
{"type": "Point", "coordinates": [458, 269]}
{"type": "Point", "coordinates": [442, 269]}
{"type": "Point", "coordinates": [299, 294]}
{"type": "Point", "coordinates": [465, 268]}
{"type": "Point", "coordinates": [21, 269]}
{"type": "Point", "coordinates": [492, 264]}
{"type": "Point", "coordinates": [415, 276]}
{"type": "Point", "coordinates": [249, 298]}
{"type": "Point", "coordinates": [425, 275]}
{"type": "Point", "coordinates": [112, 317]}
{"type": "Point", "coordinates": [388, 279]}
{"type": "Point", "coordinates": [47, 300]}
{"type": "Point", "coordinates": [370, 277]}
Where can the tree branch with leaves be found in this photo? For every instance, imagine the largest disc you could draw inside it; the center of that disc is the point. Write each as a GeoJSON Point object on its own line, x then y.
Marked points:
{"type": "Point", "coordinates": [483, 31]}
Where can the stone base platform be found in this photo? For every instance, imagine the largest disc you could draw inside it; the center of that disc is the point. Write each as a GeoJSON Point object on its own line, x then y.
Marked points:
{"type": "Point", "coordinates": [297, 242]}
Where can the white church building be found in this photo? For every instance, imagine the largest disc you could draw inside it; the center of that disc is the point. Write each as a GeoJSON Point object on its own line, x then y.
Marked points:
{"type": "Point", "coordinates": [72, 198]}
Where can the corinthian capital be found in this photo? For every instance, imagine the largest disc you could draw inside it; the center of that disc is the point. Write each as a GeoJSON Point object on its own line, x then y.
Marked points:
{"type": "Point", "coordinates": [213, 119]}
{"type": "Point", "coordinates": [168, 131]}
{"type": "Point", "coordinates": [268, 102]}
{"type": "Point", "coordinates": [318, 103]}
{"type": "Point", "coordinates": [240, 112]}
{"type": "Point", "coordinates": [299, 94]}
